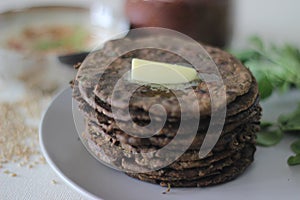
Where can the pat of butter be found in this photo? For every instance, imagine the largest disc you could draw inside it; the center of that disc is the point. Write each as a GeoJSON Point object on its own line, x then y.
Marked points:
{"type": "Point", "coordinates": [161, 73]}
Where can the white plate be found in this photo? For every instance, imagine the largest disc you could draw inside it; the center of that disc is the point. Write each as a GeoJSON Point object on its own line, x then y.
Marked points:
{"type": "Point", "coordinates": [269, 177]}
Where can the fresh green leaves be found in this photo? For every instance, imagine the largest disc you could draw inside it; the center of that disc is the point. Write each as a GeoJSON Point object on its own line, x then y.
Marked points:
{"type": "Point", "coordinates": [271, 134]}
{"type": "Point", "coordinates": [269, 138]}
{"type": "Point", "coordinates": [294, 160]}
{"type": "Point", "coordinates": [290, 122]}
{"type": "Point", "coordinates": [274, 67]}
{"type": "Point", "coordinates": [265, 124]}
{"type": "Point", "coordinates": [257, 42]}
{"type": "Point", "coordinates": [295, 146]}
{"type": "Point", "coordinates": [265, 85]}
{"type": "Point", "coordinates": [246, 55]}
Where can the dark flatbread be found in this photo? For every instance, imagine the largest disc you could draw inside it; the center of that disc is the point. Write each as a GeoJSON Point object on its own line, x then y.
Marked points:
{"type": "Point", "coordinates": [235, 148]}
{"type": "Point", "coordinates": [197, 172]}
{"type": "Point", "coordinates": [122, 158]}
{"type": "Point", "coordinates": [169, 129]}
{"type": "Point", "coordinates": [118, 136]}
{"type": "Point", "coordinates": [241, 103]}
{"type": "Point", "coordinates": [95, 79]}
{"type": "Point", "coordinates": [236, 108]}
{"type": "Point", "coordinates": [226, 174]}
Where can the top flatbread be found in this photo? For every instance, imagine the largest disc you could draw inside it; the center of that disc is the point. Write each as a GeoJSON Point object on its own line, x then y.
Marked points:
{"type": "Point", "coordinates": [102, 69]}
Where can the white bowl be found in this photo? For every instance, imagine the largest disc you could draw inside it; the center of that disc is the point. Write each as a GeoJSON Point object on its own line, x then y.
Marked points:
{"type": "Point", "coordinates": [99, 18]}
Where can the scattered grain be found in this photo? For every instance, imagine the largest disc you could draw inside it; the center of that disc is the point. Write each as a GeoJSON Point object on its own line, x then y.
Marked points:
{"type": "Point", "coordinates": [19, 141]}
{"type": "Point", "coordinates": [42, 160]}
{"type": "Point", "coordinates": [19, 119]}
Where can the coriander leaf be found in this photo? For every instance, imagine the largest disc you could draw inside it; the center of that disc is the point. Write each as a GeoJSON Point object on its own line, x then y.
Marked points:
{"type": "Point", "coordinates": [264, 84]}
{"type": "Point", "coordinates": [294, 160]}
{"type": "Point", "coordinates": [285, 86]}
{"type": "Point", "coordinates": [273, 66]}
{"type": "Point", "coordinates": [246, 55]}
{"type": "Point", "coordinates": [265, 124]}
{"type": "Point", "coordinates": [265, 88]}
{"type": "Point", "coordinates": [269, 138]}
{"type": "Point", "coordinates": [295, 146]}
{"type": "Point", "coordinates": [291, 127]}
{"type": "Point", "coordinates": [257, 42]}
{"type": "Point", "coordinates": [284, 119]}
{"type": "Point", "coordinates": [290, 122]}
{"type": "Point", "coordinates": [293, 51]}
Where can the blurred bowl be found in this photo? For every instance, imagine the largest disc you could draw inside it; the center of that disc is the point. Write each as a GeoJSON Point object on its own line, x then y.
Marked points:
{"type": "Point", "coordinates": [33, 35]}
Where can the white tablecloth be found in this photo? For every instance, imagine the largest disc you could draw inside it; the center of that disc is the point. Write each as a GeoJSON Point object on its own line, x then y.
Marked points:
{"type": "Point", "coordinates": [272, 19]}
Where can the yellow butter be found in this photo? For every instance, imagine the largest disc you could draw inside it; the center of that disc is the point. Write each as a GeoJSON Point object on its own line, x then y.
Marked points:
{"type": "Point", "coordinates": [161, 73]}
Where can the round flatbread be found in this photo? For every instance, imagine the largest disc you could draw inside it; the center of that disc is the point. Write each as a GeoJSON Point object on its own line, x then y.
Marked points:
{"type": "Point", "coordinates": [102, 69]}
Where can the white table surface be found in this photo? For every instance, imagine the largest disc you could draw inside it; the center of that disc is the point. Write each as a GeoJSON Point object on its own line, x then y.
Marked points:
{"type": "Point", "coordinates": [274, 20]}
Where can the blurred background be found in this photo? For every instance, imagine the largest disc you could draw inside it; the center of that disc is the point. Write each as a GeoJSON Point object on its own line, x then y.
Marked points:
{"type": "Point", "coordinates": [275, 21]}
{"type": "Point", "coordinates": [272, 19]}
{"type": "Point", "coordinates": [36, 36]}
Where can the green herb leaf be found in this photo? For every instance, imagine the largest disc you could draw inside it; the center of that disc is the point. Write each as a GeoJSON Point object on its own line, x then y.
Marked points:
{"type": "Point", "coordinates": [265, 88]}
{"type": "Point", "coordinates": [290, 122]}
{"type": "Point", "coordinates": [265, 124]}
{"type": "Point", "coordinates": [294, 160]}
{"type": "Point", "coordinates": [295, 146]}
{"type": "Point", "coordinates": [273, 66]}
{"type": "Point", "coordinates": [264, 84]}
{"type": "Point", "coordinates": [269, 138]}
{"type": "Point", "coordinates": [246, 55]}
{"type": "Point", "coordinates": [257, 42]}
